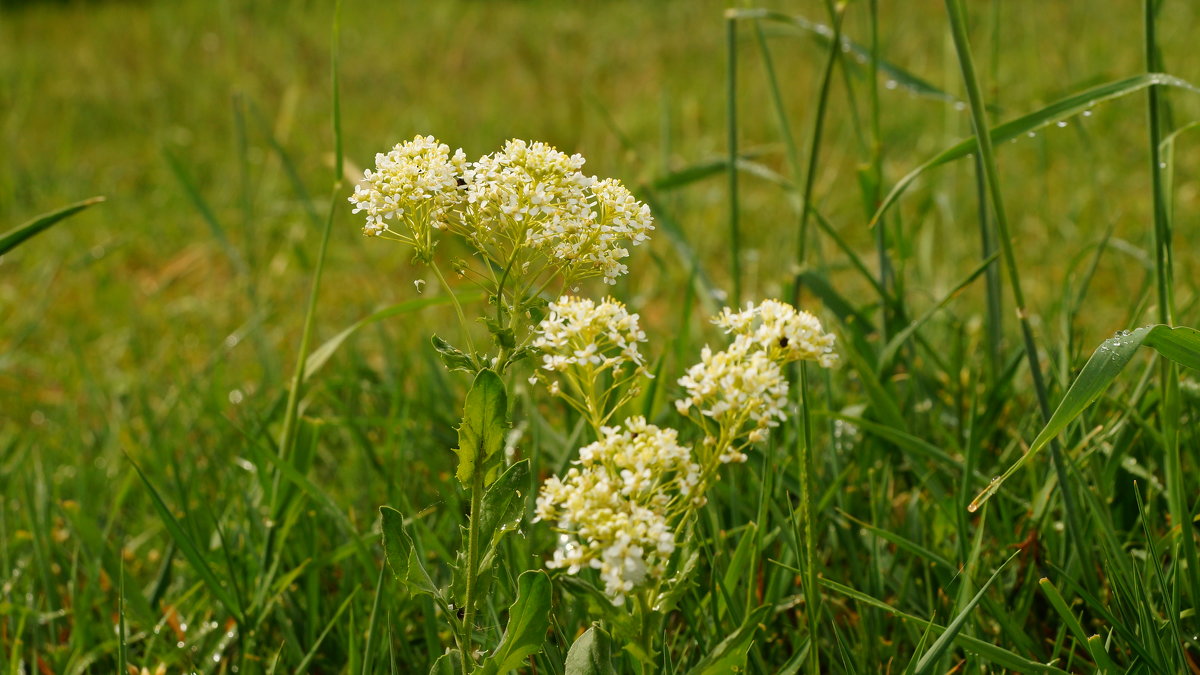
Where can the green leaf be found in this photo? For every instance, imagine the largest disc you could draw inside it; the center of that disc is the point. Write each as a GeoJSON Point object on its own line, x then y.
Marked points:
{"type": "Point", "coordinates": [591, 654]}
{"type": "Point", "coordinates": [528, 621]}
{"type": "Point", "coordinates": [16, 236]}
{"type": "Point", "coordinates": [402, 555]}
{"type": "Point", "coordinates": [485, 420]}
{"type": "Point", "coordinates": [929, 661]}
{"type": "Point", "coordinates": [449, 663]}
{"type": "Point", "coordinates": [191, 551]}
{"type": "Point", "coordinates": [1181, 345]}
{"type": "Point", "coordinates": [992, 652]}
{"type": "Point", "coordinates": [1066, 107]}
{"type": "Point", "coordinates": [730, 654]}
{"type": "Point", "coordinates": [453, 357]}
{"type": "Point", "coordinates": [824, 35]}
{"type": "Point", "coordinates": [503, 504]}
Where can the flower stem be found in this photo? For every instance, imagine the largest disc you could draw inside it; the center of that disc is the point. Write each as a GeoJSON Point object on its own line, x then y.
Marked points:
{"type": "Point", "coordinates": [472, 571]}
{"type": "Point", "coordinates": [812, 597]}
{"type": "Point", "coordinates": [462, 318]}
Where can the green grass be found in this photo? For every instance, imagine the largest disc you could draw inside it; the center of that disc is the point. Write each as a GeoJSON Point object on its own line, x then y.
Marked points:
{"type": "Point", "coordinates": [176, 488]}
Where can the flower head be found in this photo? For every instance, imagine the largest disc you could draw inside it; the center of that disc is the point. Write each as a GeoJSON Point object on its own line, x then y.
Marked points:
{"type": "Point", "coordinates": [613, 508]}
{"type": "Point", "coordinates": [743, 389]}
{"type": "Point", "coordinates": [414, 187]}
{"type": "Point", "coordinates": [531, 196]}
{"type": "Point", "coordinates": [582, 343]}
{"type": "Point", "coordinates": [785, 333]}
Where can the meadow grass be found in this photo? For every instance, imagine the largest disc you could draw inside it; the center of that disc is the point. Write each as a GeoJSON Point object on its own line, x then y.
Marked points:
{"type": "Point", "coordinates": [179, 489]}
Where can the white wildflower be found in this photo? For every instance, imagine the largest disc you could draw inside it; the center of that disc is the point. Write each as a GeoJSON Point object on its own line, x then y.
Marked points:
{"type": "Point", "coordinates": [785, 333]}
{"type": "Point", "coordinates": [613, 508]}
{"type": "Point", "coordinates": [532, 197]}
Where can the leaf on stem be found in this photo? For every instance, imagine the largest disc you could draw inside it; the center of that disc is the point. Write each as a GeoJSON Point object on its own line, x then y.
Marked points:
{"type": "Point", "coordinates": [528, 621]}
{"type": "Point", "coordinates": [485, 421]}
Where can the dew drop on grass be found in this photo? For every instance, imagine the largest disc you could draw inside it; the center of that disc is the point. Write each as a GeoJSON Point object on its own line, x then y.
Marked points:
{"type": "Point", "coordinates": [960, 106]}
{"type": "Point", "coordinates": [891, 84]}
{"type": "Point", "coordinates": [179, 644]}
{"type": "Point", "coordinates": [236, 396]}
{"type": "Point", "coordinates": [1162, 165]}
{"type": "Point", "coordinates": [1032, 134]}
{"type": "Point", "coordinates": [216, 658]}
{"type": "Point", "coordinates": [1087, 113]}
{"type": "Point", "coordinates": [1062, 123]}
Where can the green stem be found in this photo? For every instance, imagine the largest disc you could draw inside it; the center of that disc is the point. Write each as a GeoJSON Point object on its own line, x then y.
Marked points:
{"type": "Point", "coordinates": [472, 570]}
{"type": "Point", "coordinates": [958, 29]}
{"type": "Point", "coordinates": [462, 318]}
{"type": "Point", "coordinates": [645, 639]}
{"type": "Point", "coordinates": [812, 596]}
{"type": "Point", "coordinates": [814, 152]}
{"type": "Point", "coordinates": [735, 245]}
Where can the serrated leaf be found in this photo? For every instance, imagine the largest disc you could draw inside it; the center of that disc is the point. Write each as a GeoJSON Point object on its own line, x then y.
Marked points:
{"type": "Point", "coordinates": [591, 654]}
{"type": "Point", "coordinates": [452, 357]}
{"type": "Point", "coordinates": [730, 654]}
{"type": "Point", "coordinates": [1181, 345]}
{"type": "Point", "coordinates": [485, 421]}
{"type": "Point", "coordinates": [528, 621]}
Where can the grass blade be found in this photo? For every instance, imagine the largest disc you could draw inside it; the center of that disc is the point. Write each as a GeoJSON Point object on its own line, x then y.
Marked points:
{"type": "Point", "coordinates": [18, 235]}
{"type": "Point", "coordinates": [1181, 345]}
{"type": "Point", "coordinates": [1063, 108]}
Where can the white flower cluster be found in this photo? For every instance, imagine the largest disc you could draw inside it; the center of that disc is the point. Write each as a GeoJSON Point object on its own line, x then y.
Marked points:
{"type": "Point", "coordinates": [579, 332]}
{"type": "Point", "coordinates": [743, 388]}
{"type": "Point", "coordinates": [530, 195]}
{"type": "Point", "coordinates": [416, 182]}
{"type": "Point", "coordinates": [784, 332]}
{"type": "Point", "coordinates": [613, 507]}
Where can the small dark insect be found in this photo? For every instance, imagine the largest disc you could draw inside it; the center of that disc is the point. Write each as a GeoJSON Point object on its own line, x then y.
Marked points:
{"type": "Point", "coordinates": [783, 341]}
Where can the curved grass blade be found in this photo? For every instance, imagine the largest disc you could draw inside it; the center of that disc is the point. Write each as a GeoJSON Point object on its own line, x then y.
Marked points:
{"type": "Point", "coordinates": [1066, 107]}
{"type": "Point", "coordinates": [1181, 345]}
{"type": "Point", "coordinates": [321, 354]}
{"type": "Point", "coordinates": [824, 35]}
{"type": "Point", "coordinates": [190, 550]}
{"type": "Point", "coordinates": [994, 653]}
{"type": "Point", "coordinates": [939, 647]}
{"type": "Point", "coordinates": [18, 235]}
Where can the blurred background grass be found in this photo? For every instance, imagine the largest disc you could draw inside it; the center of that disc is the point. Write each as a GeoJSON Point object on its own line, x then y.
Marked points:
{"type": "Point", "coordinates": [92, 94]}
{"type": "Point", "coordinates": [132, 328]}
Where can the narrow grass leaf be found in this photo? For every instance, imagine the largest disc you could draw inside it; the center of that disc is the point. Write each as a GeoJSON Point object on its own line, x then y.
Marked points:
{"type": "Point", "coordinates": [730, 654]}
{"type": "Point", "coordinates": [1066, 107]}
{"type": "Point", "coordinates": [939, 647]}
{"type": "Point", "coordinates": [1181, 345]}
{"type": "Point", "coordinates": [994, 653]}
{"type": "Point", "coordinates": [304, 664]}
{"type": "Point", "coordinates": [825, 35]}
{"type": "Point", "coordinates": [191, 551]}
{"type": "Point", "coordinates": [16, 236]}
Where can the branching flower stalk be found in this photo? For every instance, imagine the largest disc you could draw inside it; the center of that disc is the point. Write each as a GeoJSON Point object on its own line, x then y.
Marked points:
{"type": "Point", "coordinates": [531, 219]}
{"type": "Point", "coordinates": [624, 504]}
